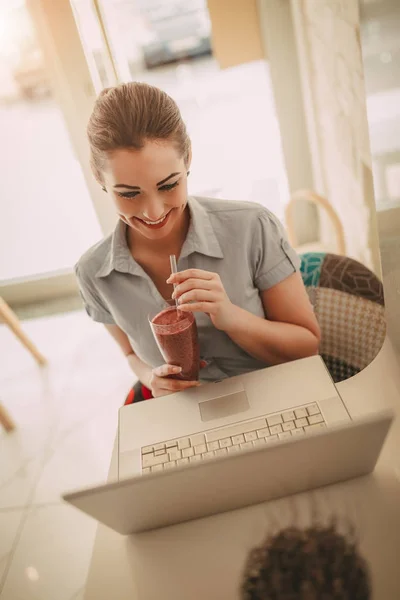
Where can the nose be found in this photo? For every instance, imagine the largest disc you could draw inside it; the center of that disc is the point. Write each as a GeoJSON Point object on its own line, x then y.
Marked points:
{"type": "Point", "coordinates": [153, 209]}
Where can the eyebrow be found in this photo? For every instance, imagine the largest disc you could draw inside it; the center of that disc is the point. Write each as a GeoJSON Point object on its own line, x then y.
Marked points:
{"type": "Point", "coordinates": [135, 187]}
{"type": "Point", "coordinates": [167, 178]}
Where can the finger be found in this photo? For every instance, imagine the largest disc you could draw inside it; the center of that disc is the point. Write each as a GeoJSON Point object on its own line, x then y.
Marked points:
{"type": "Point", "coordinates": [193, 284]}
{"type": "Point", "coordinates": [166, 370]}
{"type": "Point", "coordinates": [198, 296]}
{"type": "Point", "coordinates": [175, 385]}
{"type": "Point", "coordinates": [190, 274]}
{"type": "Point", "coordinates": [205, 307]}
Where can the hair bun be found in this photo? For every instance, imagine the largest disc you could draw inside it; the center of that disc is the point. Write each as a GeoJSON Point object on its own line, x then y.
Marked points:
{"type": "Point", "coordinates": [105, 92]}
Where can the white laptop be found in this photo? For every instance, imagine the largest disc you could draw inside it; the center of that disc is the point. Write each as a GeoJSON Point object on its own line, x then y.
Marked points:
{"type": "Point", "coordinates": [233, 443]}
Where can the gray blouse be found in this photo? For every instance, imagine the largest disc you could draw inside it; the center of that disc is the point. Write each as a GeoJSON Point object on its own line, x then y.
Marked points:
{"type": "Point", "coordinates": [241, 241]}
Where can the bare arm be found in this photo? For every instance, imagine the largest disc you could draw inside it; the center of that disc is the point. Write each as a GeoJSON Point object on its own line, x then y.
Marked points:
{"type": "Point", "coordinates": [290, 331]}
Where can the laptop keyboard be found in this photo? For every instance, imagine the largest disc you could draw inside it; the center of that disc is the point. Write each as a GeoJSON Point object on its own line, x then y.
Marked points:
{"type": "Point", "coordinates": [221, 441]}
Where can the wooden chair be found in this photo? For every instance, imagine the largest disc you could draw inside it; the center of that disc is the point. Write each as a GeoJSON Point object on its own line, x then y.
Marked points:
{"type": "Point", "coordinates": [8, 317]}
{"type": "Point", "coordinates": [321, 202]}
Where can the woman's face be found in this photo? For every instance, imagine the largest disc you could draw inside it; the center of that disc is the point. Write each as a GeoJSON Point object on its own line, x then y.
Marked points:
{"type": "Point", "coordinates": [149, 187]}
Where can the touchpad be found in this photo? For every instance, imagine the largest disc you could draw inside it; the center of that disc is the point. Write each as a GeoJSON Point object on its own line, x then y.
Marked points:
{"type": "Point", "coordinates": [224, 406]}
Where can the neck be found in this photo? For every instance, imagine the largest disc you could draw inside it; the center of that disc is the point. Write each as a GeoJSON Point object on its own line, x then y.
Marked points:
{"type": "Point", "coordinates": [171, 244]}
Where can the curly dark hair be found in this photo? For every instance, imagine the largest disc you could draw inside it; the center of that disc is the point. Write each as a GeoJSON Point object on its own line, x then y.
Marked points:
{"type": "Point", "coordinates": [317, 563]}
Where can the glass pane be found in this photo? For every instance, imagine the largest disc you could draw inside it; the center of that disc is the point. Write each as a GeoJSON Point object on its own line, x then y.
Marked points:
{"type": "Point", "coordinates": [380, 39]}
{"type": "Point", "coordinates": [93, 44]}
{"type": "Point", "coordinates": [46, 216]}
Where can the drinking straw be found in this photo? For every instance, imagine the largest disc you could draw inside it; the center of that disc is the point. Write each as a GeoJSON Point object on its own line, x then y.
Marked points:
{"type": "Point", "coordinates": [174, 269]}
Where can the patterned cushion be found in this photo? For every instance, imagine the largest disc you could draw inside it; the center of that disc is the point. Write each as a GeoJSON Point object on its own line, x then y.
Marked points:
{"type": "Point", "coordinates": [353, 329]}
{"type": "Point", "coordinates": [348, 303]}
{"type": "Point", "coordinates": [339, 369]}
{"type": "Point", "coordinates": [348, 275]}
{"type": "Point", "coordinates": [311, 264]}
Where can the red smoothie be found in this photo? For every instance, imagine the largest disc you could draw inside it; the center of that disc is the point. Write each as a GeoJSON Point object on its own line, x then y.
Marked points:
{"type": "Point", "coordinates": [176, 335]}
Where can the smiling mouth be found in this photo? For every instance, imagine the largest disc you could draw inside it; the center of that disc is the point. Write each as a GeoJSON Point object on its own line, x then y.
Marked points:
{"type": "Point", "coordinates": [154, 224]}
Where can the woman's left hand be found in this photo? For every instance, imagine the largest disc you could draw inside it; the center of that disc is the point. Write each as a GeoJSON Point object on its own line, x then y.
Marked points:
{"type": "Point", "coordinates": [202, 291]}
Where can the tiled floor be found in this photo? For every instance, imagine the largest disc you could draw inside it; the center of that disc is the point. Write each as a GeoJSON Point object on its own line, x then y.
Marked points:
{"type": "Point", "coordinates": [66, 419]}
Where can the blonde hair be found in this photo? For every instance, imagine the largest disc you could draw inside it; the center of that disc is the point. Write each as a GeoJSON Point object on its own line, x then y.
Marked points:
{"type": "Point", "coordinates": [127, 116]}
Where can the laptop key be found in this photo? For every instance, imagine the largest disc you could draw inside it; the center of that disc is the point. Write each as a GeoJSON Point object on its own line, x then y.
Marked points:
{"type": "Point", "coordinates": [288, 426]}
{"type": "Point", "coordinates": [146, 470]}
{"type": "Point", "coordinates": [301, 422]}
{"type": "Point", "coordinates": [213, 446]}
{"type": "Point", "coordinates": [276, 429]}
{"type": "Point", "coordinates": [158, 446]}
{"type": "Point", "coordinates": [175, 454]}
{"type": "Point", "coordinates": [260, 442]}
{"type": "Point", "coordinates": [197, 439]}
{"type": "Point", "coordinates": [187, 452]}
{"type": "Point", "coordinates": [170, 465]}
{"type": "Point", "coordinates": [233, 430]}
{"type": "Point", "coordinates": [148, 460]}
{"type": "Point", "coordinates": [272, 438]}
{"type": "Point", "coordinates": [195, 458]}
{"type": "Point", "coordinates": [221, 452]}
{"type": "Point", "coordinates": [288, 416]}
{"type": "Point", "coordinates": [313, 409]}
{"type": "Point", "coordinates": [315, 428]}
{"type": "Point", "coordinates": [173, 444]}
{"type": "Point", "coordinates": [300, 413]}
{"type": "Point", "coordinates": [249, 437]}
{"type": "Point", "coordinates": [286, 435]}
{"type": "Point", "coordinates": [238, 439]}
{"type": "Point", "coordinates": [157, 468]}
{"type": "Point", "coordinates": [183, 443]}
{"type": "Point", "coordinates": [147, 450]}
{"type": "Point", "coordinates": [225, 443]}
{"type": "Point", "coordinates": [200, 449]}
{"type": "Point", "coordinates": [208, 455]}
{"type": "Point", "coordinates": [274, 420]}
{"type": "Point", "coordinates": [247, 446]}
{"type": "Point", "coordinates": [160, 452]}
{"type": "Point", "coordinates": [182, 461]}
{"type": "Point", "coordinates": [314, 419]}
{"type": "Point", "coordinates": [262, 433]}
{"type": "Point", "coordinates": [299, 431]}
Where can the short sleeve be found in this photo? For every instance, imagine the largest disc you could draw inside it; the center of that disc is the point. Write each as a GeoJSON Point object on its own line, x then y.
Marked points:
{"type": "Point", "coordinates": [273, 258]}
{"type": "Point", "coordinates": [92, 301]}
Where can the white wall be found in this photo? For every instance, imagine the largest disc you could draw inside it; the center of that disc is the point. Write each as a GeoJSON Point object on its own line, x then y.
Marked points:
{"type": "Point", "coordinates": [328, 44]}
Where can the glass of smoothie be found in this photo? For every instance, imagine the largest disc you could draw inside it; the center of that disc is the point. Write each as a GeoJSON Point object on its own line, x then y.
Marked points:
{"type": "Point", "coordinates": [176, 335]}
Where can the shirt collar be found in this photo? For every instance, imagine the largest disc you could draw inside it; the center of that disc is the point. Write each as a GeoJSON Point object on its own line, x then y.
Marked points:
{"type": "Point", "coordinates": [201, 238]}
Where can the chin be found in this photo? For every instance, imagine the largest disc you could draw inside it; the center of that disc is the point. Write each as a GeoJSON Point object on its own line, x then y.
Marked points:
{"type": "Point", "coordinates": [156, 234]}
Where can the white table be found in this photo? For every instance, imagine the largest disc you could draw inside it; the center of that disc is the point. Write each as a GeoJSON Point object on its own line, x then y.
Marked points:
{"type": "Point", "coordinates": [205, 558]}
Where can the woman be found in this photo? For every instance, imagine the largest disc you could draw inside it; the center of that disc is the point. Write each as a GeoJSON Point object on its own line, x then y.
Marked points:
{"type": "Point", "coordinates": [237, 271]}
